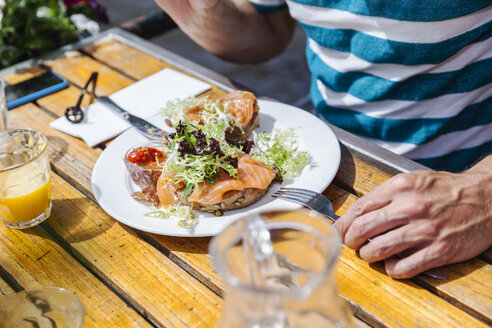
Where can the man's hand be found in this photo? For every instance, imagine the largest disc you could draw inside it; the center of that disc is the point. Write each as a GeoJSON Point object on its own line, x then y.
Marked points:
{"type": "Point", "coordinates": [422, 220]}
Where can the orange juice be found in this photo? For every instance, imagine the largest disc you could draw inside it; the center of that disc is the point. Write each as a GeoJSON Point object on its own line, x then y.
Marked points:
{"type": "Point", "coordinates": [26, 207]}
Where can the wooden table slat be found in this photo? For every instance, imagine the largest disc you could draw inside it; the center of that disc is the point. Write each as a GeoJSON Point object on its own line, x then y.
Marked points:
{"type": "Point", "coordinates": [469, 286]}
{"type": "Point", "coordinates": [131, 61]}
{"type": "Point", "coordinates": [165, 292]}
{"type": "Point", "coordinates": [359, 174]}
{"type": "Point", "coordinates": [364, 176]}
{"type": "Point", "coordinates": [24, 75]}
{"type": "Point", "coordinates": [189, 252]}
{"type": "Point", "coordinates": [34, 260]}
{"type": "Point", "coordinates": [77, 68]}
{"type": "Point", "coordinates": [404, 302]}
{"type": "Point", "coordinates": [5, 289]}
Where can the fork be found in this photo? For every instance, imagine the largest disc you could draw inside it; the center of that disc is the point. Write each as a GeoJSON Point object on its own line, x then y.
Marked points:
{"type": "Point", "coordinates": [321, 204]}
{"type": "Point", "coordinates": [308, 198]}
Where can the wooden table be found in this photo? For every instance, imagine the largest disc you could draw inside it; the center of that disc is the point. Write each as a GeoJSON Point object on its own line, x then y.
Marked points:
{"type": "Point", "coordinates": [128, 278]}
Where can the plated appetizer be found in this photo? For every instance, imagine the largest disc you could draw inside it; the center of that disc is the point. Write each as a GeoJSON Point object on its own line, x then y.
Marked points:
{"type": "Point", "coordinates": [208, 164]}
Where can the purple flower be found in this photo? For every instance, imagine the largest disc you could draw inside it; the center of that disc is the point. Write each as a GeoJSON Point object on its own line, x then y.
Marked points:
{"type": "Point", "coordinates": [70, 3]}
{"type": "Point", "coordinates": [101, 11]}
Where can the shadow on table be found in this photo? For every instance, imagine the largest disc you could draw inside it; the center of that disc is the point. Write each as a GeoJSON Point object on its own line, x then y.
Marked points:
{"type": "Point", "coordinates": [454, 272]}
{"type": "Point", "coordinates": [75, 220]}
{"type": "Point", "coordinates": [165, 244]}
{"type": "Point", "coordinates": [57, 148]}
{"type": "Point", "coordinates": [346, 174]}
{"type": "Point", "coordinates": [340, 190]}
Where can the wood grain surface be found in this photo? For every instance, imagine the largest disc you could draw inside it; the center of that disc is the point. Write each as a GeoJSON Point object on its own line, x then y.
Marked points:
{"type": "Point", "coordinates": [24, 75]}
{"type": "Point", "coordinates": [35, 260]}
{"type": "Point", "coordinates": [145, 277]}
{"type": "Point", "coordinates": [357, 175]}
{"type": "Point", "coordinates": [170, 280]}
{"type": "Point", "coordinates": [5, 289]}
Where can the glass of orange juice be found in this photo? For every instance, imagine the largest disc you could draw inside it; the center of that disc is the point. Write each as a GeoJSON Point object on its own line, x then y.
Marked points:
{"type": "Point", "coordinates": [24, 178]}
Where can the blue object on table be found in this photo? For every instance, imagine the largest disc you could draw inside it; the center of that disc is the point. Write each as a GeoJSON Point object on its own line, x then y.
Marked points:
{"type": "Point", "coordinates": [33, 89]}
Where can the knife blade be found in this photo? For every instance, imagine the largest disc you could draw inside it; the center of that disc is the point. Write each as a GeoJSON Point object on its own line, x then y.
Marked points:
{"type": "Point", "coordinates": [146, 128]}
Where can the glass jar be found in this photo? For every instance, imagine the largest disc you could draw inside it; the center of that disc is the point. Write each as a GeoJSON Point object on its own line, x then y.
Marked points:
{"type": "Point", "coordinates": [278, 270]}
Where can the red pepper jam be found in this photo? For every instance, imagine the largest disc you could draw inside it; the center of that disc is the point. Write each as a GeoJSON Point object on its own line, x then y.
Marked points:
{"type": "Point", "coordinates": [146, 156]}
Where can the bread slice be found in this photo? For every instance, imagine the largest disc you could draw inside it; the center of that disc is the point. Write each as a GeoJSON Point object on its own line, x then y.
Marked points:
{"type": "Point", "coordinates": [228, 193]}
{"type": "Point", "coordinates": [232, 200]}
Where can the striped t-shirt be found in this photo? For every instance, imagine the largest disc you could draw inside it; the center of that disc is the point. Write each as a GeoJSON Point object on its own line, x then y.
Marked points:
{"type": "Point", "coordinates": [414, 76]}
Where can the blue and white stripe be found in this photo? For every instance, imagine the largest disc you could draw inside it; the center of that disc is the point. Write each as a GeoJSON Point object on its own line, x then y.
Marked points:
{"type": "Point", "coordinates": [268, 6]}
{"type": "Point", "coordinates": [414, 76]}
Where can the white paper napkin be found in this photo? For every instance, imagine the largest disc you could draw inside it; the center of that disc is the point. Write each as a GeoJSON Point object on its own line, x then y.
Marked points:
{"type": "Point", "coordinates": [144, 98]}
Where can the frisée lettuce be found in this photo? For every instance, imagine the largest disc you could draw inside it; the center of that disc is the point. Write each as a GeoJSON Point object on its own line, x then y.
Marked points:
{"type": "Point", "coordinates": [194, 154]}
{"type": "Point", "coordinates": [198, 150]}
{"type": "Point", "coordinates": [280, 149]}
{"type": "Point", "coordinates": [184, 214]}
{"type": "Point", "coordinates": [214, 118]}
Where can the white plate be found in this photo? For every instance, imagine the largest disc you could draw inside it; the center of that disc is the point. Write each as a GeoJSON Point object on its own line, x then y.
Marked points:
{"type": "Point", "coordinates": [112, 185]}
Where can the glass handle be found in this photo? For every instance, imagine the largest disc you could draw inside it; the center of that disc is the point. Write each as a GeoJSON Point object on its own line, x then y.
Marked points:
{"type": "Point", "coordinates": [3, 107]}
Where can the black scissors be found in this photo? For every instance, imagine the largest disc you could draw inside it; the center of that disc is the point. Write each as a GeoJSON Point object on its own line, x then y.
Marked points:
{"type": "Point", "coordinates": [75, 114]}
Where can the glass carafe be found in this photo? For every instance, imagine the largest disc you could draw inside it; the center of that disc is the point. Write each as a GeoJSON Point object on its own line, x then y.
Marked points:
{"type": "Point", "coordinates": [278, 270]}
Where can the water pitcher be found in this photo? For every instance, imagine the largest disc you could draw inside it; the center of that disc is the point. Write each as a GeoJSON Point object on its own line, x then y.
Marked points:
{"type": "Point", "coordinates": [278, 270]}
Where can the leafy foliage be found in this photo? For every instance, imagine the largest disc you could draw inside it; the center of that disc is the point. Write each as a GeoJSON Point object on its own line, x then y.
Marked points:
{"type": "Point", "coordinates": [30, 28]}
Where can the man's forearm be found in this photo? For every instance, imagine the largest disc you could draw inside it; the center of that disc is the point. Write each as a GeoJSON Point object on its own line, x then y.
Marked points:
{"type": "Point", "coordinates": [233, 29]}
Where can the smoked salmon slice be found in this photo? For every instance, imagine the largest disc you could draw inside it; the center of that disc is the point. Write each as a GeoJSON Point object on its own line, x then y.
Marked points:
{"type": "Point", "coordinates": [213, 193]}
{"type": "Point", "coordinates": [252, 174]}
{"type": "Point", "coordinates": [166, 190]}
{"type": "Point", "coordinates": [240, 104]}
{"type": "Point", "coordinates": [194, 114]}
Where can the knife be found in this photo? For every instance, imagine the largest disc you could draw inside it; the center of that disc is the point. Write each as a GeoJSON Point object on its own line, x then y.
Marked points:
{"type": "Point", "coordinates": [144, 127]}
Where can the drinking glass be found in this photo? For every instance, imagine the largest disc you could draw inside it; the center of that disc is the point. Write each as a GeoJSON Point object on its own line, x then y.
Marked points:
{"type": "Point", "coordinates": [3, 107]}
{"type": "Point", "coordinates": [278, 270]}
{"type": "Point", "coordinates": [44, 307]}
{"type": "Point", "coordinates": [24, 178]}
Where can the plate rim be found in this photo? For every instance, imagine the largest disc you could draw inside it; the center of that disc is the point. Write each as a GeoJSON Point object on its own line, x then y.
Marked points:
{"type": "Point", "coordinates": [182, 232]}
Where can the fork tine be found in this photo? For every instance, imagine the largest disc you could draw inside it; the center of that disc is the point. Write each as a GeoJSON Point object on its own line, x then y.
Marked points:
{"type": "Point", "coordinates": [293, 199]}
{"type": "Point", "coordinates": [292, 194]}
{"type": "Point", "coordinates": [298, 191]}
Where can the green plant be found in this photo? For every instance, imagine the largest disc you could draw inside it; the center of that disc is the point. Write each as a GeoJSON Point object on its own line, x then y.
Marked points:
{"type": "Point", "coordinates": [30, 28]}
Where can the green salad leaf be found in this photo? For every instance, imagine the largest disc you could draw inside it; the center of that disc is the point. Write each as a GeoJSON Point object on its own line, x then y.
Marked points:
{"type": "Point", "coordinates": [175, 109]}
{"type": "Point", "coordinates": [185, 214]}
{"type": "Point", "coordinates": [215, 120]}
{"type": "Point", "coordinates": [280, 149]}
{"type": "Point", "coordinates": [195, 154]}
